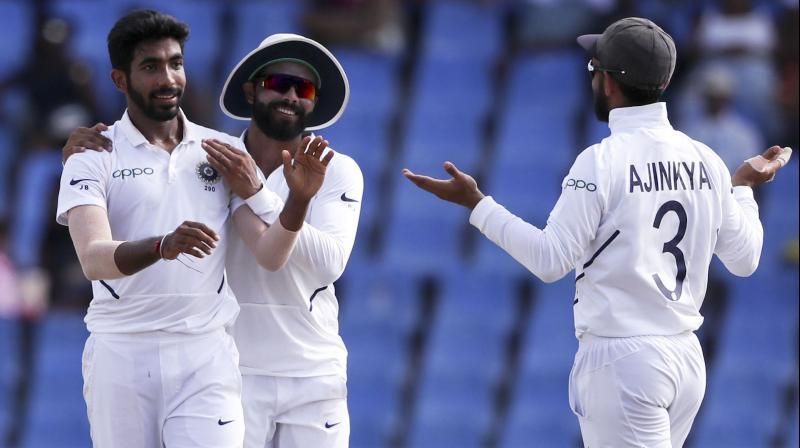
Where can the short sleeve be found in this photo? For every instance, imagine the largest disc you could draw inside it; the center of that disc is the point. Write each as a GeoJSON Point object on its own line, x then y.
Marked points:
{"type": "Point", "coordinates": [83, 182]}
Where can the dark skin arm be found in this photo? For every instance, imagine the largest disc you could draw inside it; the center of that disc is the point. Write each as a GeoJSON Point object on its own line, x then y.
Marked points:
{"type": "Point", "coordinates": [460, 189]}
{"type": "Point", "coordinates": [192, 238]}
{"type": "Point", "coordinates": [761, 170]}
{"type": "Point", "coordinates": [82, 139]}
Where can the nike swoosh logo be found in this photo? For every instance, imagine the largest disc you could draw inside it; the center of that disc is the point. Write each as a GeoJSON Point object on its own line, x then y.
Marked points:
{"type": "Point", "coordinates": [222, 423]}
{"type": "Point", "coordinates": [331, 425]}
{"type": "Point", "coordinates": [346, 199]}
{"type": "Point", "coordinates": [77, 181]}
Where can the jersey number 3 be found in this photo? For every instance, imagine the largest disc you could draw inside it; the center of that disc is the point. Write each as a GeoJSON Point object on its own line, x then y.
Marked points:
{"type": "Point", "coordinates": [671, 247]}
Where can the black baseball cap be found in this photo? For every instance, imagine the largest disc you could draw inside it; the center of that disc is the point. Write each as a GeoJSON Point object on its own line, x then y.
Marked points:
{"type": "Point", "coordinates": [636, 50]}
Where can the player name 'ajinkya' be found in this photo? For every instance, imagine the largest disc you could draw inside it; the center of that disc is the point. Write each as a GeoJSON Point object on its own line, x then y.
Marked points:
{"type": "Point", "coordinates": [670, 175]}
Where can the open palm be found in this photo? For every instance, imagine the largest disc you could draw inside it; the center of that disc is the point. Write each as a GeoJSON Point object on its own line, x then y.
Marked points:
{"type": "Point", "coordinates": [306, 171]}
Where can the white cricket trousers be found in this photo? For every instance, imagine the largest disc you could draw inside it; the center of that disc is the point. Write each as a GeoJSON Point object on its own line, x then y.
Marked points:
{"type": "Point", "coordinates": [283, 412]}
{"type": "Point", "coordinates": [157, 389]}
{"type": "Point", "coordinates": [641, 391]}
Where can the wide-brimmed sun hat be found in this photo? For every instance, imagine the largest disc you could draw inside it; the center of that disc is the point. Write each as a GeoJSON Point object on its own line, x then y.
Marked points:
{"type": "Point", "coordinates": [333, 89]}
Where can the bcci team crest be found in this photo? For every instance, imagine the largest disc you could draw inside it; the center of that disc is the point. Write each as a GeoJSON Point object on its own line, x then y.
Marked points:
{"type": "Point", "coordinates": [207, 174]}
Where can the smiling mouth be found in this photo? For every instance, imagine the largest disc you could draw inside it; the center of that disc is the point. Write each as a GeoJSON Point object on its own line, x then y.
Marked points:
{"type": "Point", "coordinates": [285, 111]}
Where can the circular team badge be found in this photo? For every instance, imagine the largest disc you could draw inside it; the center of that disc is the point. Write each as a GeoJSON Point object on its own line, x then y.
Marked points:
{"type": "Point", "coordinates": [207, 174]}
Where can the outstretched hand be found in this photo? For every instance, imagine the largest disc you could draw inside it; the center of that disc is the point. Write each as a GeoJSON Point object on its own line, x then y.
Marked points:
{"type": "Point", "coordinates": [460, 189]}
{"type": "Point", "coordinates": [306, 171]}
{"type": "Point", "coordinates": [82, 139]}
{"type": "Point", "coordinates": [761, 168]}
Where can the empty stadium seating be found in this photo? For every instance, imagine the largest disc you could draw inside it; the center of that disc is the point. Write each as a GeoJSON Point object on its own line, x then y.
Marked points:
{"type": "Point", "coordinates": [451, 342]}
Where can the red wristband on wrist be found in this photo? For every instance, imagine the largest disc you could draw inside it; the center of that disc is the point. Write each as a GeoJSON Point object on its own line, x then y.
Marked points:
{"type": "Point", "coordinates": [157, 248]}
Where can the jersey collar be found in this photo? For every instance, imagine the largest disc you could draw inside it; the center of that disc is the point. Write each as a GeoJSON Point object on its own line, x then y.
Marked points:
{"type": "Point", "coordinates": [622, 119]}
{"type": "Point", "coordinates": [136, 139]}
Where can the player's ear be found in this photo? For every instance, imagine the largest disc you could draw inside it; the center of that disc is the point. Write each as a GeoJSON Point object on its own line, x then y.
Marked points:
{"type": "Point", "coordinates": [120, 80]}
{"type": "Point", "coordinates": [610, 85]}
{"type": "Point", "coordinates": [249, 89]}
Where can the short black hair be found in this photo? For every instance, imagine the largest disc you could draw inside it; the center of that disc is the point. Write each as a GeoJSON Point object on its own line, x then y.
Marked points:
{"type": "Point", "coordinates": [637, 96]}
{"type": "Point", "coordinates": [139, 26]}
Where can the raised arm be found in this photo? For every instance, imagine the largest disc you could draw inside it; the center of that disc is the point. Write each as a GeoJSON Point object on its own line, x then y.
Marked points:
{"type": "Point", "coordinates": [741, 235]}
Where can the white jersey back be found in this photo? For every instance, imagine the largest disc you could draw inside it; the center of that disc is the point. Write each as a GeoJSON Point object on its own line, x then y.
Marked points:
{"type": "Point", "coordinates": [289, 321]}
{"type": "Point", "coordinates": [146, 192]}
{"type": "Point", "coordinates": [639, 218]}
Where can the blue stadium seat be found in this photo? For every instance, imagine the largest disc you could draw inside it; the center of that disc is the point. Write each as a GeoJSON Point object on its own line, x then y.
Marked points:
{"type": "Point", "coordinates": [555, 82]}
{"type": "Point", "coordinates": [794, 423]}
{"type": "Point", "coordinates": [550, 343]}
{"type": "Point", "coordinates": [476, 301]}
{"type": "Point", "coordinates": [40, 174]}
{"type": "Point", "coordinates": [57, 413]}
{"type": "Point", "coordinates": [437, 90]}
{"type": "Point", "coordinates": [423, 233]}
{"type": "Point", "coordinates": [462, 30]}
{"type": "Point", "coordinates": [257, 19]}
{"type": "Point", "coordinates": [9, 369]}
{"type": "Point", "coordinates": [779, 207]}
{"type": "Point", "coordinates": [373, 403]}
{"type": "Point", "coordinates": [424, 243]}
{"type": "Point", "coordinates": [433, 138]}
{"type": "Point", "coordinates": [376, 370]}
{"type": "Point", "coordinates": [203, 46]}
{"type": "Point", "coordinates": [540, 414]}
{"type": "Point", "coordinates": [488, 256]}
{"type": "Point", "coordinates": [538, 138]}
{"type": "Point", "coordinates": [450, 412]}
{"type": "Point", "coordinates": [18, 27]}
{"type": "Point", "coordinates": [380, 311]}
{"type": "Point", "coordinates": [363, 130]}
{"type": "Point", "coordinates": [373, 79]}
{"type": "Point", "coordinates": [8, 153]}
{"type": "Point", "coordinates": [596, 131]}
{"type": "Point", "coordinates": [361, 135]}
{"type": "Point", "coordinates": [379, 300]}
{"type": "Point", "coordinates": [254, 20]}
{"type": "Point", "coordinates": [738, 411]}
{"type": "Point", "coordinates": [526, 189]}
{"type": "Point", "coordinates": [759, 333]}
{"type": "Point", "coordinates": [464, 359]}
{"type": "Point", "coordinates": [88, 44]}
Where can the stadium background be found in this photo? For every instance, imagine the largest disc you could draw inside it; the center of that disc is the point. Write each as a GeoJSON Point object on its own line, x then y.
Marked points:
{"type": "Point", "coordinates": [451, 344]}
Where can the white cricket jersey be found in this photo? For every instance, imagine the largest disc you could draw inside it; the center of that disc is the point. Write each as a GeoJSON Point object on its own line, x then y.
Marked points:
{"type": "Point", "coordinates": [289, 323]}
{"type": "Point", "coordinates": [639, 217]}
{"type": "Point", "coordinates": [147, 192]}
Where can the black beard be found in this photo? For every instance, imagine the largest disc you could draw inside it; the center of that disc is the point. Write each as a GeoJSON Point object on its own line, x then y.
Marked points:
{"type": "Point", "coordinates": [601, 110]}
{"type": "Point", "coordinates": [276, 127]}
{"type": "Point", "coordinates": [149, 108]}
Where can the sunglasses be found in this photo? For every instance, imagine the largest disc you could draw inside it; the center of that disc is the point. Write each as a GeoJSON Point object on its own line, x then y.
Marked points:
{"type": "Point", "coordinates": [281, 83]}
{"type": "Point", "coordinates": [592, 69]}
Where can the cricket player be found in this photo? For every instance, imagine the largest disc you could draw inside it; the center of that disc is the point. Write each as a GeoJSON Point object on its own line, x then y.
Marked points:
{"type": "Point", "coordinates": [292, 359]}
{"type": "Point", "coordinates": [639, 217]}
{"type": "Point", "coordinates": [159, 367]}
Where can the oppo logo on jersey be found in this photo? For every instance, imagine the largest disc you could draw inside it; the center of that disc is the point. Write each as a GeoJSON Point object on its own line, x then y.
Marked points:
{"type": "Point", "coordinates": [580, 184]}
{"type": "Point", "coordinates": [132, 172]}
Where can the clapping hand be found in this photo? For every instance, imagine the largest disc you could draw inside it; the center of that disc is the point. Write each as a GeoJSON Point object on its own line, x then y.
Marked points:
{"type": "Point", "coordinates": [236, 167]}
{"type": "Point", "coordinates": [306, 171]}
